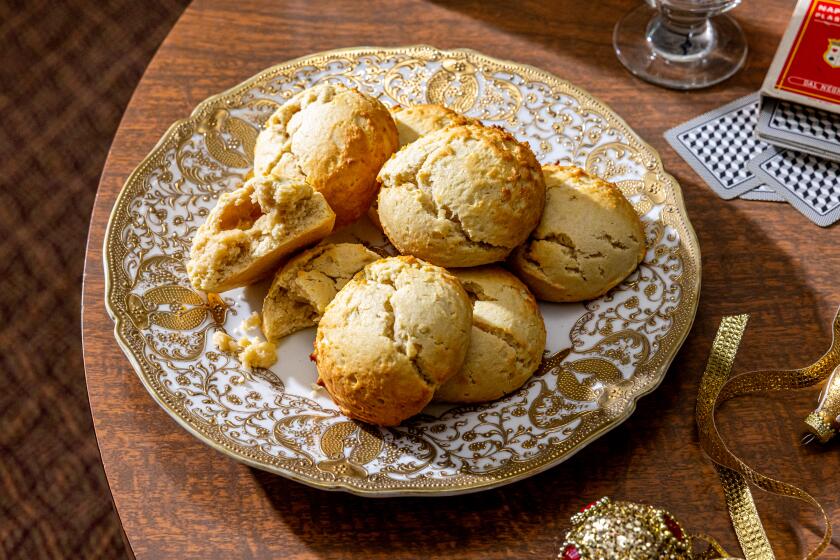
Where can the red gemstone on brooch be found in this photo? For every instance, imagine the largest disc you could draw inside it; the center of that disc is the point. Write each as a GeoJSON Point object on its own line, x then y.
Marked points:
{"type": "Point", "coordinates": [571, 552]}
{"type": "Point", "coordinates": [673, 526]}
{"type": "Point", "coordinates": [587, 506]}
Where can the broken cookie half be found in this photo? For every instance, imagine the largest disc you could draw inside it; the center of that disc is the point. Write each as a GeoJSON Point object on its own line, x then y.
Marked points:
{"type": "Point", "coordinates": [252, 228]}
{"type": "Point", "coordinates": [302, 289]}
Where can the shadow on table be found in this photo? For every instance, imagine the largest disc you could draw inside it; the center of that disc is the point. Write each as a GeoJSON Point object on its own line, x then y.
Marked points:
{"type": "Point", "coordinates": [653, 457]}
{"type": "Point", "coordinates": [559, 26]}
{"type": "Point", "coordinates": [564, 27]}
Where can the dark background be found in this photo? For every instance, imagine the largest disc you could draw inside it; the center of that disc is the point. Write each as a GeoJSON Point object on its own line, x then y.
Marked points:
{"type": "Point", "coordinates": [68, 70]}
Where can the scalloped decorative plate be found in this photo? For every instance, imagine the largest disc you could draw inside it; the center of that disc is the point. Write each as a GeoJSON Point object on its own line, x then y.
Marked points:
{"type": "Point", "coordinates": [600, 358]}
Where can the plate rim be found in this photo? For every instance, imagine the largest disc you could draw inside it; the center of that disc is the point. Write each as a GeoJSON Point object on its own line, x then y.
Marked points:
{"type": "Point", "coordinates": [338, 485]}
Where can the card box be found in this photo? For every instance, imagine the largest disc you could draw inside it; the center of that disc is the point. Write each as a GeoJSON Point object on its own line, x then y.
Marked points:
{"type": "Point", "coordinates": [806, 67]}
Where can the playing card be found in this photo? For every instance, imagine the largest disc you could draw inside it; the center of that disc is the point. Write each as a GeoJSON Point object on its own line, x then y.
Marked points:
{"type": "Point", "coordinates": [811, 184]}
{"type": "Point", "coordinates": [719, 144]}
{"type": "Point", "coordinates": [806, 67]}
{"type": "Point", "coordinates": [764, 194]}
{"type": "Point", "coordinates": [805, 129]}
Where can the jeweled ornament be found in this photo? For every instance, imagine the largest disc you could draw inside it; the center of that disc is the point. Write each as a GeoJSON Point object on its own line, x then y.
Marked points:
{"type": "Point", "coordinates": [608, 530]}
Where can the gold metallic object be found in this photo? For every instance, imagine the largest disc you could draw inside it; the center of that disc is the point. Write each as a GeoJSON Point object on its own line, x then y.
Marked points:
{"type": "Point", "coordinates": [716, 387]}
{"type": "Point", "coordinates": [625, 531]}
{"type": "Point", "coordinates": [824, 420]}
{"type": "Point", "coordinates": [608, 530]}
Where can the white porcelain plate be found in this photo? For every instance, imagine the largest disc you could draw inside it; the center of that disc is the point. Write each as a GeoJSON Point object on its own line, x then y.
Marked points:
{"type": "Point", "coordinates": [601, 356]}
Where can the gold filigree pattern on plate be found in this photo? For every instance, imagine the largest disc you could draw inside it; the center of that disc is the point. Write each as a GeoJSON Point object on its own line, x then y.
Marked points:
{"type": "Point", "coordinates": [601, 356]}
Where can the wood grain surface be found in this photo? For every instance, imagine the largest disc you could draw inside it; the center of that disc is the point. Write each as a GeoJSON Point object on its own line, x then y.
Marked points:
{"type": "Point", "coordinates": [177, 498]}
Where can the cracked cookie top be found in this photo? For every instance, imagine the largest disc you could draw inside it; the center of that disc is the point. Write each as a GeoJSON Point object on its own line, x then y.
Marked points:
{"type": "Point", "coordinates": [333, 137]}
{"type": "Point", "coordinates": [462, 196]}
{"type": "Point", "coordinates": [588, 240]}
{"type": "Point", "coordinates": [507, 338]}
{"type": "Point", "coordinates": [397, 331]}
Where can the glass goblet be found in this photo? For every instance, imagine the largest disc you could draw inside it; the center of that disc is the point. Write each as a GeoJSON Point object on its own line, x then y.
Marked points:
{"type": "Point", "coordinates": [681, 44]}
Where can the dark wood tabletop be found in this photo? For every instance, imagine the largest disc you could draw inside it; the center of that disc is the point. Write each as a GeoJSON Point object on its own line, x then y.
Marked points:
{"type": "Point", "coordinates": [178, 498]}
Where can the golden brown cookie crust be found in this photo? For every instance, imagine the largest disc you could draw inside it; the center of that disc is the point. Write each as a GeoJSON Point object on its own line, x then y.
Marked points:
{"type": "Point", "coordinates": [412, 123]}
{"type": "Point", "coordinates": [390, 337]}
{"type": "Point", "coordinates": [588, 240]}
{"type": "Point", "coordinates": [418, 120]}
{"type": "Point", "coordinates": [462, 196]}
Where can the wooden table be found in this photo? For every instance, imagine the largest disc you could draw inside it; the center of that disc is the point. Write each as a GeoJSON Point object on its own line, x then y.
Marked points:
{"type": "Point", "coordinates": [177, 498]}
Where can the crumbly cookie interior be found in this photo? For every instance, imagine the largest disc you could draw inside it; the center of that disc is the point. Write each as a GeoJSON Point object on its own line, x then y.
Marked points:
{"type": "Point", "coordinates": [250, 224]}
{"type": "Point", "coordinates": [304, 287]}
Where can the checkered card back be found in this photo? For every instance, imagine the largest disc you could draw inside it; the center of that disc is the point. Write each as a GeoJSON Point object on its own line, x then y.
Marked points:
{"type": "Point", "coordinates": [814, 180]}
{"type": "Point", "coordinates": [725, 145]}
{"type": "Point", "coordinates": [808, 121]}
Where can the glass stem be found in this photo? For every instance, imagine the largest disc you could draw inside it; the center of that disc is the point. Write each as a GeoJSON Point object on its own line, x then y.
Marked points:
{"type": "Point", "coordinates": [680, 37]}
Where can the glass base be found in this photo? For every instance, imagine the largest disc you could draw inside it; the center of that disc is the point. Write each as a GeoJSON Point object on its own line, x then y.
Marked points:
{"type": "Point", "coordinates": [657, 54]}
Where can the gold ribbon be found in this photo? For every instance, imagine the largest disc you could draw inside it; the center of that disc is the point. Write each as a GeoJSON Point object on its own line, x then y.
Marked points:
{"type": "Point", "coordinates": [735, 475]}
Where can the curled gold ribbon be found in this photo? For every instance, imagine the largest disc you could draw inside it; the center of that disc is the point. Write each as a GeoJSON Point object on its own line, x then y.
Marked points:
{"type": "Point", "coordinates": [734, 474]}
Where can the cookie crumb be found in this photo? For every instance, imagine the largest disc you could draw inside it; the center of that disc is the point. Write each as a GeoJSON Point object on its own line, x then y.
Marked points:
{"type": "Point", "coordinates": [316, 391]}
{"type": "Point", "coordinates": [253, 353]}
{"type": "Point", "coordinates": [258, 355]}
{"type": "Point", "coordinates": [225, 343]}
{"type": "Point", "coordinates": [252, 323]}
{"type": "Point", "coordinates": [245, 342]}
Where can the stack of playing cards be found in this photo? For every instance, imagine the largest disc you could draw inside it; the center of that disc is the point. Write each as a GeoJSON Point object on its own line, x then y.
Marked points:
{"type": "Point", "coordinates": [797, 127]}
{"type": "Point", "coordinates": [783, 143]}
